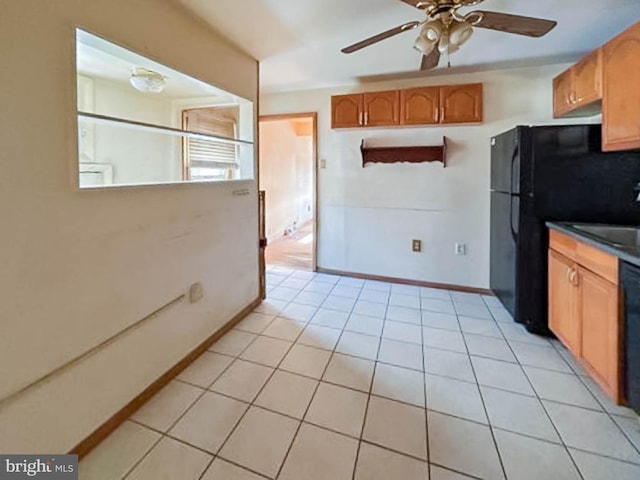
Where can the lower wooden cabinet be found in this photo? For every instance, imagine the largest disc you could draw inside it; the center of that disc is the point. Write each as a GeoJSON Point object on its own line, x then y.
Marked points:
{"type": "Point", "coordinates": [600, 328]}
{"type": "Point", "coordinates": [584, 309]}
{"type": "Point", "coordinates": [563, 302]}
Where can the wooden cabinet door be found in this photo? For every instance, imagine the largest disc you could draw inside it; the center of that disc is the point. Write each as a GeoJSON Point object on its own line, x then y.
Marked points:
{"type": "Point", "coordinates": [420, 106]}
{"type": "Point", "coordinates": [621, 99]}
{"type": "Point", "coordinates": [346, 111]}
{"type": "Point", "coordinates": [564, 318]}
{"type": "Point", "coordinates": [382, 109]}
{"type": "Point", "coordinates": [600, 330]}
{"type": "Point", "coordinates": [461, 103]}
{"type": "Point", "coordinates": [587, 80]}
{"type": "Point", "coordinates": [562, 93]}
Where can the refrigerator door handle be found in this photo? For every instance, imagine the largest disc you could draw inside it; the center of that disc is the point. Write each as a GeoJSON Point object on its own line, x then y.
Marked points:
{"type": "Point", "coordinates": [514, 233]}
{"type": "Point", "coordinates": [514, 157]}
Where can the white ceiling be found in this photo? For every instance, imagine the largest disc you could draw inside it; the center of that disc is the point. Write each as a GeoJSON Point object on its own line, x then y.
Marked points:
{"type": "Point", "coordinates": [98, 58]}
{"type": "Point", "coordinates": [298, 42]}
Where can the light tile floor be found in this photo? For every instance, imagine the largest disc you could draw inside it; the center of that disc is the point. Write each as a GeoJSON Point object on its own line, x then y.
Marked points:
{"type": "Point", "coordinates": [329, 379]}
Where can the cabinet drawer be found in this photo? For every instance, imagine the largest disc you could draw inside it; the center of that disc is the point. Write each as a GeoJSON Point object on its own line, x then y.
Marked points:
{"type": "Point", "coordinates": [598, 262]}
{"type": "Point", "coordinates": [563, 244]}
{"type": "Point", "coordinates": [591, 258]}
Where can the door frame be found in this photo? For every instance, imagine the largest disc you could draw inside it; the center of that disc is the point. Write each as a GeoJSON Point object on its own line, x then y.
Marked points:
{"type": "Point", "coordinates": [314, 171]}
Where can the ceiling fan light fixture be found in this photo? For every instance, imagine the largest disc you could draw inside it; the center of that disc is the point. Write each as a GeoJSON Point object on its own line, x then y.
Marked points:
{"type": "Point", "coordinates": [459, 33]}
{"type": "Point", "coordinates": [147, 81]}
{"type": "Point", "coordinates": [424, 46]}
{"type": "Point", "coordinates": [429, 37]}
{"type": "Point", "coordinates": [443, 44]}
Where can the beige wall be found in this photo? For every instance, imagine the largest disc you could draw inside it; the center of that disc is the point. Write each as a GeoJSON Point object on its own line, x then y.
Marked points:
{"type": "Point", "coordinates": [286, 169]}
{"type": "Point", "coordinates": [78, 266]}
{"type": "Point", "coordinates": [368, 216]}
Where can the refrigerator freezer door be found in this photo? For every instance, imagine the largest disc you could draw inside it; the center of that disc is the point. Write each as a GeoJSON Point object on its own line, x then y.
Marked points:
{"type": "Point", "coordinates": [505, 162]}
{"type": "Point", "coordinates": [503, 249]}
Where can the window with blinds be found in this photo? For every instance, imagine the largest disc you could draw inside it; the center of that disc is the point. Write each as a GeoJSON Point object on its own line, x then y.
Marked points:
{"type": "Point", "coordinates": [208, 159]}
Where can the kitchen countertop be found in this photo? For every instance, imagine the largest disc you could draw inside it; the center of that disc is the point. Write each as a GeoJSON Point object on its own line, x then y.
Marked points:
{"type": "Point", "coordinates": [628, 254]}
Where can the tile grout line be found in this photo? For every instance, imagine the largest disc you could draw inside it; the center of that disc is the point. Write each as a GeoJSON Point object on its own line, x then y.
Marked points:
{"type": "Point", "coordinates": [508, 391]}
{"type": "Point", "coordinates": [544, 408]}
{"type": "Point", "coordinates": [426, 396]}
{"type": "Point", "coordinates": [382, 397]}
{"type": "Point", "coordinates": [603, 410]}
{"type": "Point", "coordinates": [609, 414]}
{"type": "Point", "coordinates": [373, 377]}
{"type": "Point", "coordinates": [484, 405]}
{"type": "Point", "coordinates": [255, 397]}
{"type": "Point", "coordinates": [315, 391]}
{"type": "Point", "coordinates": [249, 405]}
{"type": "Point", "coordinates": [215, 455]}
{"type": "Point", "coordinates": [333, 352]}
{"type": "Point", "coordinates": [204, 391]}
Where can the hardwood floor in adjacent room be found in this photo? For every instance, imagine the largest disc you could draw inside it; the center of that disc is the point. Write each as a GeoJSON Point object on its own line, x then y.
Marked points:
{"type": "Point", "coordinates": [293, 251]}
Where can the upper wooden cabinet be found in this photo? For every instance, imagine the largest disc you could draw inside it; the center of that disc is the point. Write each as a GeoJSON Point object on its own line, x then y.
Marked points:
{"type": "Point", "coordinates": [461, 103]}
{"type": "Point", "coordinates": [346, 111]}
{"type": "Point", "coordinates": [562, 87]}
{"type": "Point", "coordinates": [414, 106]}
{"type": "Point", "coordinates": [374, 109]}
{"type": "Point", "coordinates": [578, 90]}
{"type": "Point", "coordinates": [381, 108]}
{"type": "Point", "coordinates": [420, 106]}
{"type": "Point", "coordinates": [587, 79]}
{"type": "Point", "coordinates": [621, 103]}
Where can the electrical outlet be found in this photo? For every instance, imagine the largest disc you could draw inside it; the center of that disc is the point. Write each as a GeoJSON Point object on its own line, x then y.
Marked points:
{"type": "Point", "coordinates": [461, 249]}
{"type": "Point", "coordinates": [417, 245]}
{"type": "Point", "coordinates": [196, 292]}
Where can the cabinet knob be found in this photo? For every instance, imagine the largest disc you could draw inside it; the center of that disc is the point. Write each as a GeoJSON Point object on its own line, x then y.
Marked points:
{"type": "Point", "coordinates": [574, 278]}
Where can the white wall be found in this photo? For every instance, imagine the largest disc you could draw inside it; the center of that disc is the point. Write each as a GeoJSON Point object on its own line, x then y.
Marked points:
{"type": "Point", "coordinates": [79, 266]}
{"type": "Point", "coordinates": [368, 216]}
{"type": "Point", "coordinates": [286, 162]}
{"type": "Point", "coordinates": [304, 165]}
{"type": "Point", "coordinates": [136, 156]}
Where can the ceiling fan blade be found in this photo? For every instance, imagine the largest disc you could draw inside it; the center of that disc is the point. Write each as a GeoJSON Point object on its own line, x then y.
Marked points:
{"type": "Point", "coordinates": [381, 36]}
{"type": "Point", "coordinates": [430, 61]}
{"type": "Point", "coordinates": [504, 22]}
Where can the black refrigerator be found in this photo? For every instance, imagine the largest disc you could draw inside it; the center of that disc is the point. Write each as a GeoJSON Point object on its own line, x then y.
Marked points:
{"type": "Point", "coordinates": [556, 173]}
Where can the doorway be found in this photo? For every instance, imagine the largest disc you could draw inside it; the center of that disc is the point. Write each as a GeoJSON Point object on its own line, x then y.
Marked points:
{"type": "Point", "coordinates": [287, 175]}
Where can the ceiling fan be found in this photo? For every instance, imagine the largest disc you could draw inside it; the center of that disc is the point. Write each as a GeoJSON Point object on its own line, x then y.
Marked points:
{"type": "Point", "coordinates": [445, 29]}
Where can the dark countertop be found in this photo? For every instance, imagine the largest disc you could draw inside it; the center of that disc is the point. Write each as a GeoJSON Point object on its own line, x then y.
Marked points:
{"type": "Point", "coordinates": [627, 254]}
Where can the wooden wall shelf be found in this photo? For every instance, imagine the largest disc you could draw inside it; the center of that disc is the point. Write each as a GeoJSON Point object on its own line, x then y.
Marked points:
{"type": "Point", "coordinates": [436, 153]}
